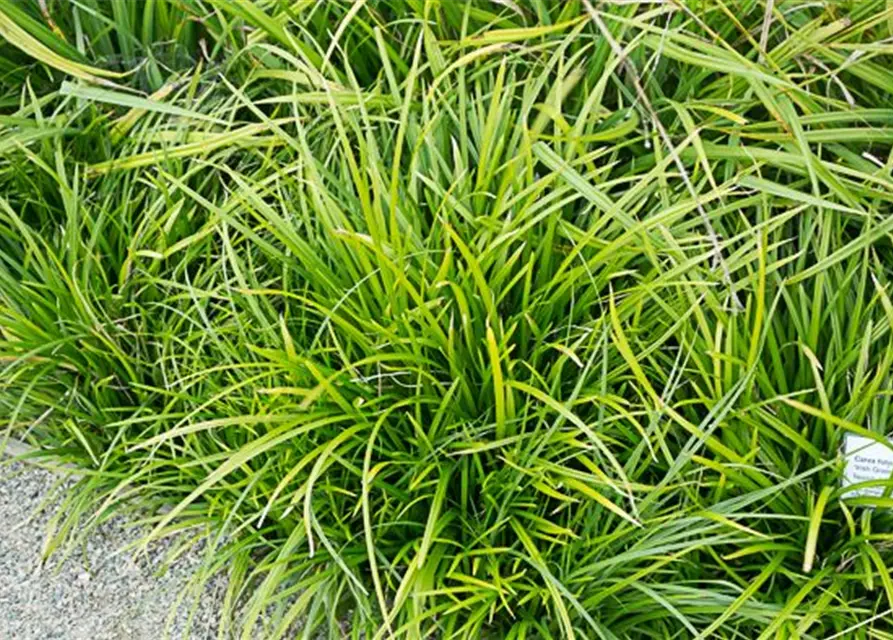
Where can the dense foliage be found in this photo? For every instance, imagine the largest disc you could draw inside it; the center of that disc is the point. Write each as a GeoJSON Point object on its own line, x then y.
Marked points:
{"type": "Point", "coordinates": [491, 319]}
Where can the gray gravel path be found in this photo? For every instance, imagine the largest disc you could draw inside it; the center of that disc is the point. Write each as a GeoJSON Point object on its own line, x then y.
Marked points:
{"type": "Point", "coordinates": [98, 593]}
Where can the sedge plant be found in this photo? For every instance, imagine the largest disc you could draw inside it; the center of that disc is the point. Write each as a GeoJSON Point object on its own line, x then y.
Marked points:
{"type": "Point", "coordinates": [486, 319]}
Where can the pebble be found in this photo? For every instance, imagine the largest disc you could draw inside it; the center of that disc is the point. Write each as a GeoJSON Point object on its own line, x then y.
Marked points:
{"type": "Point", "coordinates": [98, 592]}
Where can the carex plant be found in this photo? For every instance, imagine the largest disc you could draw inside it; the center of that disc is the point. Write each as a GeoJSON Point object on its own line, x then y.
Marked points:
{"type": "Point", "coordinates": [461, 319]}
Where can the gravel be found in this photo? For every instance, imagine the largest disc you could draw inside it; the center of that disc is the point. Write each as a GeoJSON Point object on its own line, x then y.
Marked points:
{"type": "Point", "coordinates": [99, 592]}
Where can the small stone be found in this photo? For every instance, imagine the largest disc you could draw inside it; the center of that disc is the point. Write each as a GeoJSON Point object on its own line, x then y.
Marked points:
{"type": "Point", "coordinates": [99, 592]}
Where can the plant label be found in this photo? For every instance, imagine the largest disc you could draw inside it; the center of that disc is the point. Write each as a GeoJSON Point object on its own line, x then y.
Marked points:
{"type": "Point", "coordinates": [866, 459]}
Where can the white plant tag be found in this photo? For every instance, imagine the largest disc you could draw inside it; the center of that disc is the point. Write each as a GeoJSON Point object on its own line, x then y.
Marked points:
{"type": "Point", "coordinates": [866, 459]}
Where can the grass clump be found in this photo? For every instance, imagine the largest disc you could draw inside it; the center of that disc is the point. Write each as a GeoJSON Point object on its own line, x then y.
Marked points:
{"type": "Point", "coordinates": [463, 319]}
